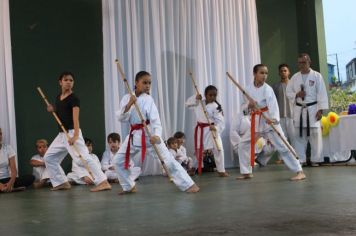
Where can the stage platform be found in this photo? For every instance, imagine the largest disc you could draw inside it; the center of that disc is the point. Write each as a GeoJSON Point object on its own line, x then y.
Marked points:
{"type": "Point", "coordinates": [269, 204]}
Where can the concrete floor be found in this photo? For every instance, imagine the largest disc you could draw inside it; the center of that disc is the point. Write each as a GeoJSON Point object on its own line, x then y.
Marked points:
{"type": "Point", "coordinates": [270, 204]}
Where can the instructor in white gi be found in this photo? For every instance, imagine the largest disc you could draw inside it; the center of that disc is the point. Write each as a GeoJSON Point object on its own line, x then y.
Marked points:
{"type": "Point", "coordinates": [306, 90]}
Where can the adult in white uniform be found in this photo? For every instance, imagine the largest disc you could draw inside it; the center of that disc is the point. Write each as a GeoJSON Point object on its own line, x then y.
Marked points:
{"type": "Point", "coordinates": [307, 92]}
{"type": "Point", "coordinates": [138, 141]}
{"type": "Point", "coordinates": [203, 137]}
{"type": "Point", "coordinates": [264, 100]}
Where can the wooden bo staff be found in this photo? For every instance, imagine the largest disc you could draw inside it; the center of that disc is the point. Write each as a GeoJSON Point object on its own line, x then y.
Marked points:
{"type": "Point", "coordinates": [263, 115]}
{"type": "Point", "coordinates": [65, 132]}
{"type": "Point", "coordinates": [205, 112]}
{"type": "Point", "coordinates": [141, 117]}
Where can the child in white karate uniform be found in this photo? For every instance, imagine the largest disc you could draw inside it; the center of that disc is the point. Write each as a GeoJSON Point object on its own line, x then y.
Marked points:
{"type": "Point", "coordinates": [79, 174]}
{"type": "Point", "coordinates": [107, 160]}
{"type": "Point", "coordinates": [264, 101]}
{"type": "Point", "coordinates": [185, 161]}
{"type": "Point", "coordinates": [37, 162]}
{"type": "Point", "coordinates": [240, 137]}
{"type": "Point", "coordinates": [203, 132]}
{"type": "Point", "coordinates": [138, 141]}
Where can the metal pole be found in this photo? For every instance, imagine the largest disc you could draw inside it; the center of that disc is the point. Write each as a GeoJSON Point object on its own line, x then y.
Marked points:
{"type": "Point", "coordinates": [337, 67]}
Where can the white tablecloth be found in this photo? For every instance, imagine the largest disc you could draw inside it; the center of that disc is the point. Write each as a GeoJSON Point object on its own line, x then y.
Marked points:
{"type": "Point", "coordinates": [341, 139]}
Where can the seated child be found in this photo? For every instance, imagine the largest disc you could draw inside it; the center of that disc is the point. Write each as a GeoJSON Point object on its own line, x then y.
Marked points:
{"type": "Point", "coordinates": [80, 174]}
{"type": "Point", "coordinates": [37, 162]}
{"type": "Point", "coordinates": [107, 164]}
{"type": "Point", "coordinates": [185, 161]}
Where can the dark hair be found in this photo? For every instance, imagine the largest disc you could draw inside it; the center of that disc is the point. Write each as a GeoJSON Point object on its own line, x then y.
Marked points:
{"type": "Point", "coordinates": [88, 141]}
{"type": "Point", "coordinates": [282, 65]}
{"type": "Point", "coordinates": [114, 137]}
{"type": "Point", "coordinates": [305, 55]}
{"type": "Point", "coordinates": [179, 134]}
{"type": "Point", "coordinates": [258, 66]}
{"type": "Point", "coordinates": [65, 73]}
{"type": "Point", "coordinates": [141, 74]}
{"type": "Point", "coordinates": [171, 140]}
{"type": "Point", "coordinates": [213, 88]}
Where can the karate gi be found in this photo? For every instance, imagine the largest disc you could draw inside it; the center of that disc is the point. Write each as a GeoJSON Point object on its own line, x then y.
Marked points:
{"type": "Point", "coordinates": [315, 90]}
{"type": "Point", "coordinates": [265, 97]}
{"type": "Point", "coordinates": [150, 113]}
{"type": "Point", "coordinates": [79, 172]}
{"type": "Point", "coordinates": [215, 117]}
{"type": "Point", "coordinates": [240, 137]}
{"type": "Point", "coordinates": [40, 172]}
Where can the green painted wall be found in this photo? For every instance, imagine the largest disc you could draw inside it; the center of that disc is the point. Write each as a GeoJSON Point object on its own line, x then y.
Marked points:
{"type": "Point", "coordinates": [290, 27]}
{"type": "Point", "coordinates": [49, 37]}
{"type": "Point", "coordinates": [277, 25]}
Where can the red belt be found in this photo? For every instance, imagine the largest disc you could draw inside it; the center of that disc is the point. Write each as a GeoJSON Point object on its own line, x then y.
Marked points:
{"type": "Point", "coordinates": [253, 126]}
{"type": "Point", "coordinates": [143, 142]}
{"type": "Point", "coordinates": [200, 154]}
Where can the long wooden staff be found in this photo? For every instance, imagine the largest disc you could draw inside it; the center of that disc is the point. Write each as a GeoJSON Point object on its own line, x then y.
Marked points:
{"type": "Point", "coordinates": [264, 116]}
{"type": "Point", "coordinates": [141, 116]}
{"type": "Point", "coordinates": [65, 132]}
{"type": "Point", "coordinates": [200, 159]}
{"type": "Point", "coordinates": [205, 112]}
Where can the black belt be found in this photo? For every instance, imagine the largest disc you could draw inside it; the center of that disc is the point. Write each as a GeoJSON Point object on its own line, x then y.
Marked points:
{"type": "Point", "coordinates": [301, 117]}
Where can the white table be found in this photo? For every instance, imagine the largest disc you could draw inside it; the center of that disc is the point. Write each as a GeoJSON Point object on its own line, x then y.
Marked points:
{"type": "Point", "coordinates": [341, 139]}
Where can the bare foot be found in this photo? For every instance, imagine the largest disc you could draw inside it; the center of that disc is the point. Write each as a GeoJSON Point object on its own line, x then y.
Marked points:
{"type": "Point", "coordinates": [193, 189]}
{"type": "Point", "coordinates": [64, 186]}
{"type": "Point", "coordinates": [133, 190]}
{"type": "Point", "coordinates": [101, 187]}
{"type": "Point", "coordinates": [114, 181]}
{"type": "Point", "coordinates": [279, 162]}
{"type": "Point", "coordinates": [39, 184]}
{"type": "Point", "coordinates": [244, 177]}
{"type": "Point", "coordinates": [223, 174]}
{"type": "Point", "coordinates": [300, 176]}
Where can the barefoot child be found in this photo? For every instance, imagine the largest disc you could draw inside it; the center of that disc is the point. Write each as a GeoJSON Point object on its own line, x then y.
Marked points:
{"type": "Point", "coordinates": [265, 101]}
{"type": "Point", "coordinates": [203, 133]}
{"type": "Point", "coordinates": [79, 174]}
{"type": "Point", "coordinates": [138, 141]}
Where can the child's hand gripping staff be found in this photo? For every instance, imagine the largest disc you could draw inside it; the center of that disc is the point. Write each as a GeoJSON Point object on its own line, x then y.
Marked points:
{"type": "Point", "coordinates": [212, 127]}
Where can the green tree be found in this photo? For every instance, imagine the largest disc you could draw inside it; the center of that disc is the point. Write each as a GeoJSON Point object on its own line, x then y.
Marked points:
{"type": "Point", "coordinates": [341, 99]}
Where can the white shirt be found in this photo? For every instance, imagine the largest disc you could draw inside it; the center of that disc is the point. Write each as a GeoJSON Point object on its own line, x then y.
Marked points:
{"type": "Point", "coordinates": [37, 157]}
{"type": "Point", "coordinates": [240, 130]}
{"type": "Point", "coordinates": [6, 152]}
{"type": "Point", "coordinates": [264, 96]}
{"type": "Point", "coordinates": [149, 112]}
{"type": "Point", "coordinates": [107, 160]}
{"type": "Point", "coordinates": [315, 90]}
{"type": "Point", "coordinates": [178, 155]}
{"type": "Point", "coordinates": [80, 170]}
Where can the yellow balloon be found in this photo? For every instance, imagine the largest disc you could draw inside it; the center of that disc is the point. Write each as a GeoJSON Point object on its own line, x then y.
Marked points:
{"type": "Point", "coordinates": [333, 119]}
{"type": "Point", "coordinates": [325, 126]}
